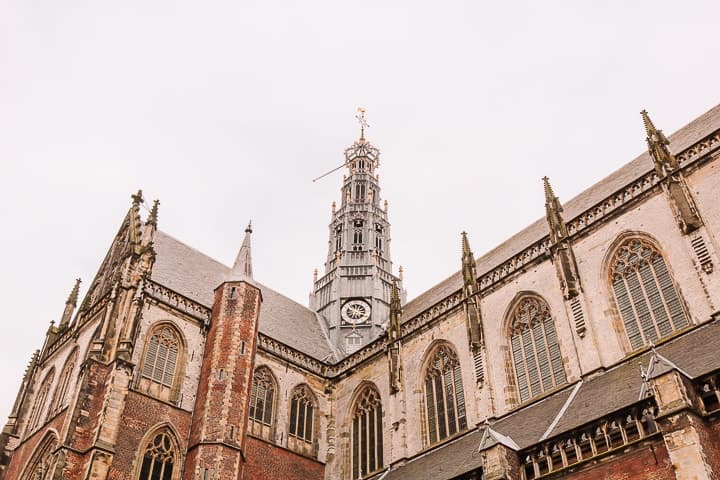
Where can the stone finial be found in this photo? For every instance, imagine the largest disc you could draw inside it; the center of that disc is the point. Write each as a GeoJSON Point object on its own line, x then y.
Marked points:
{"type": "Point", "coordinates": [334, 206]}
{"type": "Point", "coordinates": [137, 198]}
{"type": "Point", "coordinates": [395, 312]}
{"type": "Point", "coordinates": [153, 217]}
{"type": "Point", "coordinates": [468, 266]}
{"type": "Point", "coordinates": [73, 297]}
{"type": "Point", "coordinates": [242, 268]}
{"type": "Point", "coordinates": [401, 270]}
{"type": "Point", "coordinates": [665, 162]}
{"type": "Point", "coordinates": [386, 206]}
{"type": "Point", "coordinates": [315, 275]}
{"type": "Point", "coordinates": [70, 304]}
{"type": "Point", "coordinates": [553, 213]}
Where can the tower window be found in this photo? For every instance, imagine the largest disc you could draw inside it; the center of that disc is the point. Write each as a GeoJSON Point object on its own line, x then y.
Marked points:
{"type": "Point", "coordinates": [645, 293]}
{"type": "Point", "coordinates": [353, 342]}
{"type": "Point", "coordinates": [360, 191]}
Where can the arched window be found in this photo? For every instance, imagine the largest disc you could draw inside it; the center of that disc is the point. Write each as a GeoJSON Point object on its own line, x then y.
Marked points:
{"type": "Point", "coordinates": [159, 458]}
{"type": "Point", "coordinates": [161, 356]}
{"type": "Point", "coordinates": [367, 437]}
{"type": "Point", "coordinates": [301, 431]}
{"type": "Point", "coordinates": [262, 403]}
{"type": "Point", "coordinates": [42, 464]}
{"type": "Point", "coordinates": [645, 293]}
{"type": "Point", "coordinates": [36, 414]}
{"type": "Point", "coordinates": [63, 383]}
{"type": "Point", "coordinates": [535, 349]}
{"type": "Point", "coordinates": [444, 397]}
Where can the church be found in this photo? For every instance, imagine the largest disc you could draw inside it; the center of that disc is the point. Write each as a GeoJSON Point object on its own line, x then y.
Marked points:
{"type": "Point", "coordinates": [584, 346]}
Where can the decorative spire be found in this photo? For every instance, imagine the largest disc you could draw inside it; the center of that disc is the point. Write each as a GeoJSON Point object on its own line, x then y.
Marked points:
{"type": "Point", "coordinates": [665, 162]}
{"type": "Point", "coordinates": [153, 217]}
{"type": "Point", "coordinates": [242, 269]}
{"type": "Point", "coordinates": [468, 267]}
{"type": "Point", "coordinates": [70, 304]}
{"type": "Point", "coordinates": [553, 213]}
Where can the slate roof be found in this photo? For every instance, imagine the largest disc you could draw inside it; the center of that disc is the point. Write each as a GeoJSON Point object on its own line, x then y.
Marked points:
{"type": "Point", "coordinates": [679, 141]}
{"type": "Point", "coordinates": [195, 275]}
{"type": "Point", "coordinates": [605, 393]}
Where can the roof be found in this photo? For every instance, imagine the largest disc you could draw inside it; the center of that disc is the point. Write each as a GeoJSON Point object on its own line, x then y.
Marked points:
{"type": "Point", "coordinates": [195, 275]}
{"type": "Point", "coordinates": [597, 397]}
{"type": "Point", "coordinates": [679, 141]}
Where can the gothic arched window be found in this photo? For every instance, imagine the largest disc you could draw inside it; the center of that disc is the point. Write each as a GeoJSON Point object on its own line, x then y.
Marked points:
{"type": "Point", "coordinates": [36, 414]}
{"type": "Point", "coordinates": [161, 356]}
{"type": "Point", "coordinates": [262, 403]}
{"type": "Point", "coordinates": [444, 398]}
{"type": "Point", "coordinates": [63, 382]}
{"type": "Point", "coordinates": [301, 431]}
{"type": "Point", "coordinates": [43, 462]}
{"type": "Point", "coordinates": [645, 293]}
{"type": "Point", "coordinates": [367, 437]}
{"type": "Point", "coordinates": [159, 458]}
{"type": "Point", "coordinates": [535, 349]}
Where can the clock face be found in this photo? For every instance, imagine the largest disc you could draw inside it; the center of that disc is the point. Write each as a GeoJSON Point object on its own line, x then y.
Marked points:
{"type": "Point", "coordinates": [355, 312]}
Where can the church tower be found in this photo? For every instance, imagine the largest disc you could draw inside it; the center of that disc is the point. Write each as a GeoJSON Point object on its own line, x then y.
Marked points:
{"type": "Point", "coordinates": [353, 296]}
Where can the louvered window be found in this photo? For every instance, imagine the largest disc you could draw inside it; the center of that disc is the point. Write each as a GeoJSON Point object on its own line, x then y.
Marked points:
{"type": "Point", "coordinates": [367, 437]}
{"type": "Point", "coordinates": [444, 397]}
{"type": "Point", "coordinates": [159, 458]}
{"type": "Point", "coordinates": [645, 293]}
{"type": "Point", "coordinates": [302, 410]}
{"type": "Point", "coordinates": [161, 356]}
{"type": "Point", "coordinates": [262, 402]}
{"type": "Point", "coordinates": [535, 349]}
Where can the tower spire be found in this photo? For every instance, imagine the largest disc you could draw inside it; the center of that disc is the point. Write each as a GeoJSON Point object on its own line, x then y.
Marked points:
{"type": "Point", "coordinates": [242, 268]}
{"type": "Point", "coordinates": [70, 304]}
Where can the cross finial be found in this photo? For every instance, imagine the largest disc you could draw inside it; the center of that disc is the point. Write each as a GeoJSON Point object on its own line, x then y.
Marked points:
{"type": "Point", "coordinates": [363, 123]}
{"type": "Point", "coordinates": [137, 198]}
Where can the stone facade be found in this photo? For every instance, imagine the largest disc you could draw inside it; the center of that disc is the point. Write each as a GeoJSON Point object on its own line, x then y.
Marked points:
{"type": "Point", "coordinates": [522, 365]}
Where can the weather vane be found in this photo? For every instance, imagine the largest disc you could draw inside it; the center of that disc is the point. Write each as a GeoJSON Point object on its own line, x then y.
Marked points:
{"type": "Point", "coordinates": [361, 119]}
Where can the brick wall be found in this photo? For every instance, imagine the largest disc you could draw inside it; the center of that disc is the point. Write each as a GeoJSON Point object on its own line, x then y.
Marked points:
{"type": "Point", "coordinates": [645, 462]}
{"type": "Point", "coordinates": [270, 462]}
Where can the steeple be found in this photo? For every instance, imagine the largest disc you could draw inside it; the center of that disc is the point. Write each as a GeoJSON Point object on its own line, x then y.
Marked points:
{"type": "Point", "coordinates": [242, 268]}
{"type": "Point", "coordinates": [353, 295]}
{"type": "Point", "coordinates": [70, 305]}
{"type": "Point", "coordinates": [665, 162]}
{"type": "Point", "coordinates": [673, 182]}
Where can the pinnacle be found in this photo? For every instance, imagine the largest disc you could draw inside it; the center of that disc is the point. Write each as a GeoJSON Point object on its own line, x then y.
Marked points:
{"type": "Point", "coordinates": [465, 243]}
{"type": "Point", "coordinates": [73, 297]}
{"type": "Point", "coordinates": [549, 194]}
{"type": "Point", "coordinates": [242, 268]}
{"type": "Point", "coordinates": [649, 126]}
{"type": "Point", "coordinates": [153, 217]}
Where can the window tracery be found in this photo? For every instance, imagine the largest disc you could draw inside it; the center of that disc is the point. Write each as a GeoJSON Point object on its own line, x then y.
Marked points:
{"type": "Point", "coordinates": [444, 397]}
{"type": "Point", "coordinates": [537, 359]}
{"type": "Point", "coordinates": [301, 431]}
{"type": "Point", "coordinates": [645, 293]}
{"type": "Point", "coordinates": [36, 414]}
{"type": "Point", "coordinates": [262, 403]}
{"type": "Point", "coordinates": [63, 383]}
{"type": "Point", "coordinates": [159, 458]}
{"type": "Point", "coordinates": [43, 463]}
{"type": "Point", "coordinates": [367, 435]}
{"type": "Point", "coordinates": [161, 356]}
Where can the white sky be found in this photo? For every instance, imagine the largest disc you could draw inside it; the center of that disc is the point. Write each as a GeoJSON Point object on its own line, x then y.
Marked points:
{"type": "Point", "coordinates": [226, 110]}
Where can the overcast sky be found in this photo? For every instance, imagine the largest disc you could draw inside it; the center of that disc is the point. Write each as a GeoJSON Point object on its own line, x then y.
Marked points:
{"type": "Point", "coordinates": [225, 111]}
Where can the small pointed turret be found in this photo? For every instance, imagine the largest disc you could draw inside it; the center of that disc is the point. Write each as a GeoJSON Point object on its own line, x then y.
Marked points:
{"type": "Point", "coordinates": [242, 268]}
{"type": "Point", "coordinates": [553, 213]}
{"type": "Point", "coordinates": [665, 162]}
{"type": "Point", "coordinates": [395, 312]}
{"type": "Point", "coordinates": [471, 288]}
{"type": "Point", "coordinates": [70, 305]}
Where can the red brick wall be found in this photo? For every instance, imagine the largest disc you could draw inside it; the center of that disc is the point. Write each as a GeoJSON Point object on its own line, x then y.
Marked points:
{"type": "Point", "coordinates": [23, 453]}
{"type": "Point", "coordinates": [710, 438]}
{"type": "Point", "coordinates": [644, 462]}
{"type": "Point", "coordinates": [265, 461]}
{"type": "Point", "coordinates": [141, 414]}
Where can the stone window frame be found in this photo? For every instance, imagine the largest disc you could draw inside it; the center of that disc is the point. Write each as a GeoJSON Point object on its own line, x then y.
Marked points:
{"type": "Point", "coordinates": [301, 441]}
{"type": "Point", "coordinates": [622, 322]}
{"type": "Point", "coordinates": [169, 447]}
{"type": "Point", "coordinates": [263, 427]}
{"type": "Point", "coordinates": [366, 410]}
{"type": "Point", "coordinates": [166, 391]}
{"type": "Point", "coordinates": [36, 416]}
{"type": "Point", "coordinates": [529, 353]}
{"type": "Point", "coordinates": [442, 363]}
{"type": "Point", "coordinates": [43, 460]}
{"type": "Point", "coordinates": [66, 376]}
